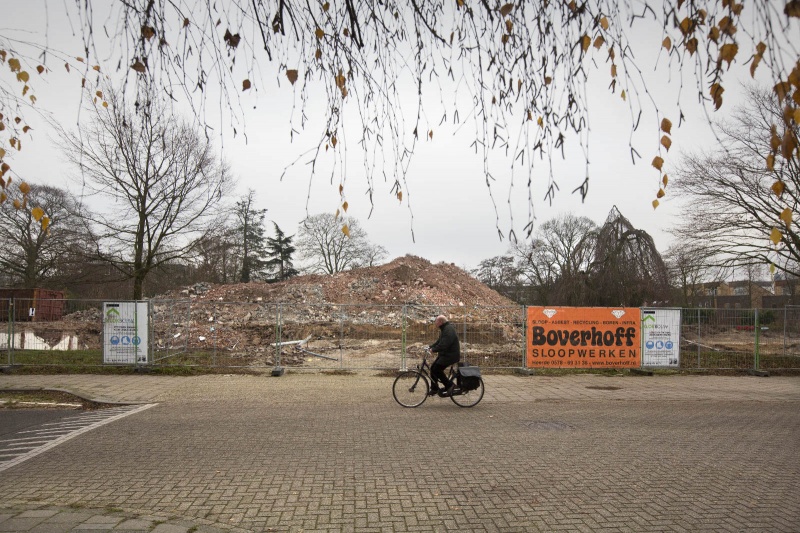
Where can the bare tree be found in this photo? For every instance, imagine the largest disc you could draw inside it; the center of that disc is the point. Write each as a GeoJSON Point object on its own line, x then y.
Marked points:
{"type": "Point", "coordinates": [524, 67]}
{"type": "Point", "coordinates": [157, 181]}
{"type": "Point", "coordinates": [689, 267]}
{"type": "Point", "coordinates": [626, 269]}
{"type": "Point", "coordinates": [557, 258]}
{"type": "Point", "coordinates": [737, 207]}
{"type": "Point", "coordinates": [326, 248]}
{"type": "Point", "coordinates": [33, 256]}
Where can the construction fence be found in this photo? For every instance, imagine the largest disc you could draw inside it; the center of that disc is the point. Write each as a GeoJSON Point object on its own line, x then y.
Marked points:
{"type": "Point", "coordinates": [262, 336]}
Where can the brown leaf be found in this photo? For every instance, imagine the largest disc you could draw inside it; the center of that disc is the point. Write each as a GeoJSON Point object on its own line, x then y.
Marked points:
{"type": "Point", "coordinates": [319, 33]}
{"type": "Point", "coordinates": [666, 126]}
{"type": "Point", "coordinates": [346, 230]}
{"type": "Point", "coordinates": [655, 203]}
{"type": "Point", "coordinates": [786, 216]}
{"type": "Point", "coordinates": [148, 32]}
{"type": "Point", "coordinates": [713, 34]}
{"type": "Point", "coordinates": [585, 42]}
{"type": "Point", "coordinates": [782, 90]}
{"type": "Point", "coordinates": [604, 23]}
{"type": "Point", "coordinates": [232, 39]}
{"type": "Point", "coordinates": [775, 236]}
{"type": "Point", "coordinates": [661, 193]}
{"type": "Point", "coordinates": [665, 180]}
{"type": "Point", "coordinates": [728, 52]}
{"type": "Point", "coordinates": [667, 43]}
{"type": "Point", "coordinates": [37, 213]}
{"type": "Point", "coordinates": [598, 42]}
{"type": "Point", "coordinates": [691, 45]}
{"type": "Point", "coordinates": [40, 69]}
{"type": "Point", "coordinates": [792, 8]}
{"type": "Point", "coordinates": [246, 85]}
{"type": "Point", "coordinates": [345, 206]}
{"type": "Point", "coordinates": [778, 187]}
{"type": "Point", "coordinates": [666, 142]}
{"type": "Point", "coordinates": [760, 49]}
{"type": "Point", "coordinates": [658, 162]}
{"type": "Point", "coordinates": [138, 66]}
{"type": "Point", "coordinates": [716, 94]}
{"type": "Point", "coordinates": [506, 9]}
{"type": "Point", "coordinates": [789, 144]}
{"type": "Point", "coordinates": [292, 75]}
{"type": "Point", "coordinates": [771, 162]}
{"type": "Point", "coordinates": [24, 188]}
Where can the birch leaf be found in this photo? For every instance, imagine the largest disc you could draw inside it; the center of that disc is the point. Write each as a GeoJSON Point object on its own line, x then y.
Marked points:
{"type": "Point", "coordinates": [658, 162]}
{"type": "Point", "coordinates": [37, 213]}
{"type": "Point", "coordinates": [778, 187]}
{"type": "Point", "coordinates": [775, 236]}
{"type": "Point", "coordinates": [346, 230]}
{"type": "Point", "coordinates": [786, 216]}
{"type": "Point", "coordinates": [666, 126]}
{"type": "Point", "coordinates": [292, 75]}
{"type": "Point", "coordinates": [666, 142]}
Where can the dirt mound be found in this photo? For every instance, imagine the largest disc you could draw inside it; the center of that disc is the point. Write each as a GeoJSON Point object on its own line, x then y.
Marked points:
{"type": "Point", "coordinates": [406, 280]}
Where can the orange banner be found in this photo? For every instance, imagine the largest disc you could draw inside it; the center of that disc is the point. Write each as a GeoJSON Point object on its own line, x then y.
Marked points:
{"type": "Point", "coordinates": [584, 337]}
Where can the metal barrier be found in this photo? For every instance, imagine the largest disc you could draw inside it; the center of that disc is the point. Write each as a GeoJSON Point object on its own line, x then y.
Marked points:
{"type": "Point", "coordinates": [262, 336]}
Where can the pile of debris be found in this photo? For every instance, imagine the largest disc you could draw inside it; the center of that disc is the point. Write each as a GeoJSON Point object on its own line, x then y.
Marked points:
{"type": "Point", "coordinates": [408, 280]}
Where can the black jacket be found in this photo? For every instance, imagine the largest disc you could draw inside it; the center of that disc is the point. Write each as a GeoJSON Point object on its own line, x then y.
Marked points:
{"type": "Point", "coordinates": [447, 344]}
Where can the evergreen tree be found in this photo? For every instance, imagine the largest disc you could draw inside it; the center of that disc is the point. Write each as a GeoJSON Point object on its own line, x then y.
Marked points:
{"type": "Point", "coordinates": [279, 253]}
{"type": "Point", "coordinates": [250, 231]}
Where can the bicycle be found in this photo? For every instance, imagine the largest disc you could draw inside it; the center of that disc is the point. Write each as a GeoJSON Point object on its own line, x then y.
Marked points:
{"type": "Point", "coordinates": [410, 388]}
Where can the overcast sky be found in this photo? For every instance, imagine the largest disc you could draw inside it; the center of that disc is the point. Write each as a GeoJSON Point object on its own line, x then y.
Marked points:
{"type": "Point", "coordinates": [446, 205]}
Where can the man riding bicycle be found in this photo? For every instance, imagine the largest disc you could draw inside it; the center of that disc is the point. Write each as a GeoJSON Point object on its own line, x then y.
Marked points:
{"type": "Point", "coordinates": [448, 349]}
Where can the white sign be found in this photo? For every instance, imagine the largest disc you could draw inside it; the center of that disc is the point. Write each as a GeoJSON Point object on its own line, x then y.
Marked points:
{"type": "Point", "coordinates": [661, 338]}
{"type": "Point", "coordinates": [125, 332]}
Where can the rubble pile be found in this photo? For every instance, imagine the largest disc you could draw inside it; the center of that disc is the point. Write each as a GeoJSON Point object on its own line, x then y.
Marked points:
{"type": "Point", "coordinates": [408, 280]}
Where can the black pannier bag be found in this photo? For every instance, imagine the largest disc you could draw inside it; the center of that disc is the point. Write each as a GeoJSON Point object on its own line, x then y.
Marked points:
{"type": "Point", "coordinates": [469, 377]}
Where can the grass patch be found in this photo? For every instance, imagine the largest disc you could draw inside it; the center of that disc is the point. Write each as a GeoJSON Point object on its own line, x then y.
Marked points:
{"type": "Point", "coordinates": [46, 399]}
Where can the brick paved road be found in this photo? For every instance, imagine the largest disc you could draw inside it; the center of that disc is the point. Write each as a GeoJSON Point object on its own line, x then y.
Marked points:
{"type": "Point", "coordinates": [335, 453]}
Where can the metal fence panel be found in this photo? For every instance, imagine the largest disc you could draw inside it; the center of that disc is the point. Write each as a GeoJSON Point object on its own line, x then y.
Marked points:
{"type": "Point", "coordinates": [261, 336]}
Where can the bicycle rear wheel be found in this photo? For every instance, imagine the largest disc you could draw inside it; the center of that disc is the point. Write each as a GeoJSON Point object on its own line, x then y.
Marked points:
{"type": "Point", "coordinates": [468, 398]}
{"type": "Point", "coordinates": [410, 388]}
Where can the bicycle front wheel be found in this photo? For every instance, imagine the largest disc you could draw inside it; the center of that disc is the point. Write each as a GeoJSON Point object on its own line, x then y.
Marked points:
{"type": "Point", "coordinates": [410, 389]}
{"type": "Point", "coordinates": [468, 398]}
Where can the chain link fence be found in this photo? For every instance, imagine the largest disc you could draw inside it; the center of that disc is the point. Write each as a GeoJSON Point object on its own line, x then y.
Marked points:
{"type": "Point", "coordinates": [262, 336]}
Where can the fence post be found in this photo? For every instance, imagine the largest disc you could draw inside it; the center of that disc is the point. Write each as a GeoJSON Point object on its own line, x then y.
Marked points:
{"type": "Point", "coordinates": [403, 338]}
{"type": "Point", "coordinates": [758, 336]}
{"type": "Point", "coordinates": [698, 337]}
{"type": "Point", "coordinates": [525, 338]}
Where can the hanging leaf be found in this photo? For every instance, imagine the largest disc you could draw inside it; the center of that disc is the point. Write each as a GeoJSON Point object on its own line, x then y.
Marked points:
{"type": "Point", "coordinates": [658, 162]}
{"type": "Point", "coordinates": [661, 193]}
{"type": "Point", "coordinates": [333, 141]}
{"type": "Point", "coordinates": [24, 188]}
{"type": "Point", "coordinates": [792, 8]}
{"type": "Point", "coordinates": [760, 49]}
{"type": "Point", "coordinates": [789, 144]}
{"type": "Point", "coordinates": [585, 42]}
{"type": "Point", "coordinates": [771, 162]}
{"type": "Point", "coordinates": [598, 42]}
{"type": "Point", "coordinates": [345, 206]}
{"type": "Point", "coordinates": [667, 43]}
{"type": "Point", "coordinates": [346, 230]}
{"type": "Point", "coordinates": [691, 45]}
{"type": "Point", "coordinates": [319, 33]}
{"type": "Point", "coordinates": [17, 204]}
{"type": "Point", "coordinates": [716, 94]}
{"type": "Point", "coordinates": [246, 85]}
{"type": "Point", "coordinates": [138, 66]}
{"type": "Point", "coordinates": [2, 153]}
{"type": "Point", "coordinates": [341, 189]}
{"type": "Point", "coordinates": [665, 180]}
{"type": "Point", "coordinates": [430, 134]}
{"type": "Point", "coordinates": [666, 142]}
{"type": "Point", "coordinates": [506, 9]}
{"type": "Point", "coordinates": [232, 39]}
{"type": "Point", "coordinates": [623, 96]}
{"type": "Point", "coordinates": [786, 216]}
{"type": "Point", "coordinates": [728, 52]}
{"type": "Point", "coordinates": [292, 75]}
{"type": "Point", "coordinates": [666, 126]}
{"type": "Point", "coordinates": [782, 90]}
{"type": "Point", "coordinates": [400, 195]}
{"type": "Point", "coordinates": [655, 203]}
{"type": "Point", "coordinates": [23, 76]}
{"type": "Point", "coordinates": [775, 236]}
{"type": "Point", "coordinates": [148, 32]}
{"type": "Point", "coordinates": [3, 197]}
{"type": "Point", "coordinates": [14, 64]}
{"type": "Point", "coordinates": [604, 23]}
{"type": "Point", "coordinates": [37, 213]}
{"type": "Point", "coordinates": [45, 223]}
{"type": "Point", "coordinates": [778, 187]}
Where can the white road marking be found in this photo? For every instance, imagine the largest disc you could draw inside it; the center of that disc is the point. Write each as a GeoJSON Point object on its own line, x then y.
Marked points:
{"type": "Point", "coordinates": [52, 437]}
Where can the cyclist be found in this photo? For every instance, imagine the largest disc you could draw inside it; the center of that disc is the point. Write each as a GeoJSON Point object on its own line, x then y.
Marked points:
{"type": "Point", "coordinates": [448, 351]}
